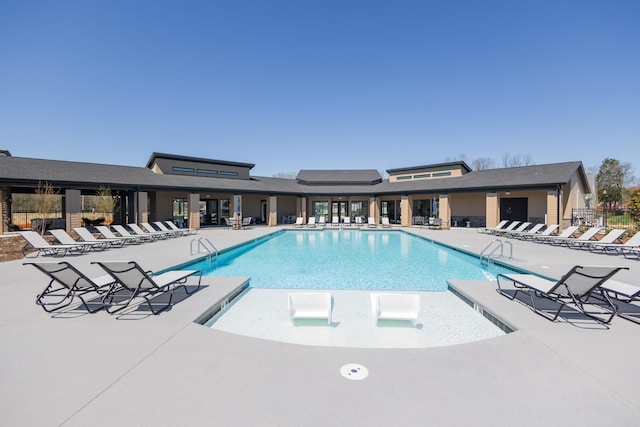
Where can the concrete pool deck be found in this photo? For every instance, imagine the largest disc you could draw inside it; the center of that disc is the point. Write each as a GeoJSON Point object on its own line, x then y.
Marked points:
{"type": "Point", "coordinates": [78, 369]}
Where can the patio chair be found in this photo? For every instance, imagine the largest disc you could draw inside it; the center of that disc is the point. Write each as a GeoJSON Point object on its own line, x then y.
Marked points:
{"type": "Point", "coordinates": [311, 223]}
{"type": "Point", "coordinates": [548, 231]}
{"type": "Point", "coordinates": [371, 222]}
{"type": "Point", "coordinates": [173, 226]}
{"type": "Point", "coordinates": [335, 221]}
{"type": "Point", "coordinates": [138, 231]}
{"type": "Point", "coordinates": [385, 222]}
{"type": "Point", "coordinates": [108, 234]}
{"type": "Point", "coordinates": [595, 245]}
{"type": "Point", "coordinates": [144, 237]}
{"type": "Point", "coordinates": [346, 221]}
{"type": "Point", "coordinates": [573, 241]}
{"type": "Point", "coordinates": [518, 234]}
{"type": "Point", "coordinates": [488, 230]}
{"type": "Point", "coordinates": [576, 287]}
{"type": "Point", "coordinates": [176, 232]}
{"type": "Point", "coordinates": [388, 306]}
{"type": "Point", "coordinates": [149, 229]}
{"type": "Point", "coordinates": [322, 221]}
{"type": "Point", "coordinates": [567, 232]}
{"type": "Point", "coordinates": [64, 238]}
{"type": "Point", "coordinates": [37, 242]}
{"type": "Point", "coordinates": [88, 236]}
{"type": "Point", "coordinates": [627, 294]}
{"type": "Point", "coordinates": [131, 282]}
{"type": "Point", "coordinates": [310, 305]}
{"type": "Point", "coordinates": [630, 247]}
{"type": "Point", "coordinates": [67, 283]}
{"type": "Point", "coordinates": [299, 222]}
{"type": "Point", "coordinates": [246, 222]}
{"type": "Point", "coordinates": [519, 229]}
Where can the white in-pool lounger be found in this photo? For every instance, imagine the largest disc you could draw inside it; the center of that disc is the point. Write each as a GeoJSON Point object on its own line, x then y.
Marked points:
{"type": "Point", "coordinates": [310, 305]}
{"type": "Point", "coordinates": [388, 306]}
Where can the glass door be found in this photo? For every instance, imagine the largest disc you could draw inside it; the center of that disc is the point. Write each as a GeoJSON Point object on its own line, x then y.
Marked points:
{"type": "Point", "coordinates": [338, 209]}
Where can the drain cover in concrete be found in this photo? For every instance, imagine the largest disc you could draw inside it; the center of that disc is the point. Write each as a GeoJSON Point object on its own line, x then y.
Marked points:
{"type": "Point", "coordinates": [353, 371]}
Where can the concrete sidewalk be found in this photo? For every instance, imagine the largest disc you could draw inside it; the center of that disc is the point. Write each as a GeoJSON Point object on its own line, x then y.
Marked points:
{"type": "Point", "coordinates": [78, 369]}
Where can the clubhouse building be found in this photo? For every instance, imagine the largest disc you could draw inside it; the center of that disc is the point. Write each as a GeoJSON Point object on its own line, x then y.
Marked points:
{"type": "Point", "coordinates": [199, 192]}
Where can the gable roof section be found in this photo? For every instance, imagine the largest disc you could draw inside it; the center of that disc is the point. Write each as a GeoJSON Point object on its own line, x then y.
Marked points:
{"type": "Point", "coordinates": [339, 177]}
{"type": "Point", "coordinates": [155, 156]}
{"type": "Point", "coordinates": [462, 164]}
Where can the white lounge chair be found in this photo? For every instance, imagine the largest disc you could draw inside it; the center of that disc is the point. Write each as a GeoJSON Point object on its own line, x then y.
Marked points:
{"type": "Point", "coordinates": [87, 236]}
{"type": "Point", "coordinates": [65, 239]}
{"type": "Point", "coordinates": [186, 231]}
{"type": "Point", "coordinates": [548, 231]}
{"type": "Point", "coordinates": [346, 221]}
{"type": "Point", "coordinates": [310, 305]}
{"type": "Point", "coordinates": [595, 245]}
{"type": "Point", "coordinates": [137, 230]}
{"type": "Point", "coordinates": [518, 234]}
{"type": "Point", "coordinates": [576, 287]}
{"type": "Point", "coordinates": [630, 247]}
{"type": "Point", "coordinates": [107, 233]}
{"type": "Point", "coordinates": [68, 283]}
{"type": "Point", "coordinates": [37, 242]}
{"type": "Point", "coordinates": [385, 222]}
{"type": "Point", "coordinates": [131, 281]}
{"type": "Point", "coordinates": [145, 237]}
{"type": "Point", "coordinates": [567, 232]}
{"type": "Point", "coordinates": [312, 222]}
{"type": "Point", "coordinates": [488, 230]}
{"type": "Point", "coordinates": [246, 222]}
{"type": "Point", "coordinates": [359, 221]}
{"type": "Point", "coordinates": [299, 222]}
{"type": "Point", "coordinates": [572, 241]}
{"type": "Point", "coordinates": [519, 229]}
{"type": "Point", "coordinates": [335, 221]}
{"type": "Point", "coordinates": [150, 229]}
{"type": "Point", "coordinates": [371, 222]}
{"type": "Point", "coordinates": [626, 294]}
{"type": "Point", "coordinates": [389, 306]}
{"type": "Point", "coordinates": [322, 221]}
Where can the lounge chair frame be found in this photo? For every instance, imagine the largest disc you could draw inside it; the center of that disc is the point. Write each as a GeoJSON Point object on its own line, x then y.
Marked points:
{"type": "Point", "coordinates": [576, 287]}
{"type": "Point", "coordinates": [68, 283]}
{"type": "Point", "coordinates": [132, 279]}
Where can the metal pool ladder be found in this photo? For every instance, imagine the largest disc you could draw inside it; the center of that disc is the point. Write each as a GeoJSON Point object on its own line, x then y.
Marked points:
{"type": "Point", "coordinates": [204, 245]}
{"type": "Point", "coordinates": [491, 249]}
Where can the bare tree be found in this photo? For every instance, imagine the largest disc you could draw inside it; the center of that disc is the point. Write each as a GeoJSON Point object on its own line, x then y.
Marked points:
{"type": "Point", "coordinates": [510, 161]}
{"type": "Point", "coordinates": [290, 175]}
{"type": "Point", "coordinates": [106, 200]}
{"type": "Point", "coordinates": [46, 202]}
{"type": "Point", "coordinates": [483, 163]}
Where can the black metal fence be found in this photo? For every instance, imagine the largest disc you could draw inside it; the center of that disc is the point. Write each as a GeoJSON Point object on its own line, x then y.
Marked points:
{"type": "Point", "coordinates": [608, 218]}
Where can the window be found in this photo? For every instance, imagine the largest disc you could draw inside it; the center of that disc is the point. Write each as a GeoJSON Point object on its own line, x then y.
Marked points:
{"type": "Point", "coordinates": [320, 208]}
{"type": "Point", "coordinates": [403, 177]}
{"type": "Point", "coordinates": [228, 173]}
{"type": "Point", "coordinates": [391, 209]}
{"type": "Point", "coordinates": [359, 208]}
{"type": "Point", "coordinates": [422, 175]}
{"type": "Point", "coordinates": [442, 174]}
{"type": "Point", "coordinates": [207, 171]}
{"type": "Point", "coordinates": [225, 208]}
{"type": "Point", "coordinates": [180, 211]}
{"type": "Point", "coordinates": [181, 169]}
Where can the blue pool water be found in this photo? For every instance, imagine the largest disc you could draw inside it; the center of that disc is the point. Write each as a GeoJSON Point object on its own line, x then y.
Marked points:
{"type": "Point", "coordinates": [348, 259]}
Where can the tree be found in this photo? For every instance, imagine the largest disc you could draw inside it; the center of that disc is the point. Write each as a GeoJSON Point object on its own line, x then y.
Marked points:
{"type": "Point", "coordinates": [483, 163]}
{"type": "Point", "coordinates": [106, 200]}
{"type": "Point", "coordinates": [510, 161]}
{"type": "Point", "coordinates": [634, 205]}
{"type": "Point", "coordinates": [610, 182]}
{"type": "Point", "coordinates": [46, 202]}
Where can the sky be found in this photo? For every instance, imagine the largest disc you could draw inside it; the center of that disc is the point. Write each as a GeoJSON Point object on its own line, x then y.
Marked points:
{"type": "Point", "coordinates": [321, 84]}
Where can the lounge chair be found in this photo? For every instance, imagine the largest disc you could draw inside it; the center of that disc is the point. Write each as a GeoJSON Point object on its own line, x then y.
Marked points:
{"type": "Point", "coordinates": [595, 245]}
{"type": "Point", "coordinates": [131, 281]}
{"type": "Point", "coordinates": [138, 231]}
{"type": "Point", "coordinates": [371, 222]}
{"type": "Point", "coordinates": [150, 229]}
{"type": "Point", "coordinates": [573, 241]}
{"type": "Point", "coordinates": [176, 232]}
{"type": "Point", "coordinates": [627, 294]}
{"type": "Point", "coordinates": [145, 237]}
{"type": "Point", "coordinates": [335, 221]}
{"type": "Point", "coordinates": [88, 236]}
{"type": "Point", "coordinates": [567, 232]}
{"type": "Point", "coordinates": [174, 227]}
{"type": "Point", "coordinates": [246, 222]}
{"type": "Point", "coordinates": [548, 231]}
{"type": "Point", "coordinates": [346, 221]}
{"type": "Point", "coordinates": [388, 306]}
{"type": "Point", "coordinates": [65, 239]}
{"type": "Point", "coordinates": [518, 229]}
{"type": "Point", "coordinates": [359, 221]}
{"type": "Point", "coordinates": [68, 283]}
{"type": "Point", "coordinates": [489, 230]}
{"type": "Point", "coordinates": [312, 222]}
{"type": "Point", "coordinates": [299, 222]}
{"type": "Point", "coordinates": [518, 234]}
{"type": "Point", "coordinates": [385, 222]}
{"type": "Point", "coordinates": [322, 221]}
{"type": "Point", "coordinates": [630, 247]}
{"type": "Point", "coordinates": [37, 242]}
{"type": "Point", "coordinates": [310, 305]}
{"type": "Point", "coordinates": [107, 233]}
{"type": "Point", "coordinates": [576, 287]}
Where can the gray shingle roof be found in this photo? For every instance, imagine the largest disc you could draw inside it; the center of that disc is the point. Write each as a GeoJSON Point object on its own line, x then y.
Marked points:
{"type": "Point", "coordinates": [27, 172]}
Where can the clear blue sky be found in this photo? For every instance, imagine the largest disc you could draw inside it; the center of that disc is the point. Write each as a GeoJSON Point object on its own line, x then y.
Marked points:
{"type": "Point", "coordinates": [321, 84]}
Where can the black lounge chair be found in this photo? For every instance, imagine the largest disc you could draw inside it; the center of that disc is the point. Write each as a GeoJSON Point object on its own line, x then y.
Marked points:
{"type": "Point", "coordinates": [67, 283]}
{"type": "Point", "coordinates": [131, 281]}
{"type": "Point", "coordinates": [576, 287]}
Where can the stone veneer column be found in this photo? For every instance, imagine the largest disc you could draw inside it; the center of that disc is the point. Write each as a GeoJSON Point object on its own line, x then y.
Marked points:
{"type": "Point", "coordinates": [5, 218]}
{"type": "Point", "coordinates": [272, 211]}
{"type": "Point", "coordinates": [72, 209]}
{"type": "Point", "coordinates": [443, 210]}
{"type": "Point", "coordinates": [142, 207]}
{"type": "Point", "coordinates": [405, 211]}
{"type": "Point", "coordinates": [492, 212]}
{"type": "Point", "coordinates": [374, 211]}
{"type": "Point", "coordinates": [194, 211]}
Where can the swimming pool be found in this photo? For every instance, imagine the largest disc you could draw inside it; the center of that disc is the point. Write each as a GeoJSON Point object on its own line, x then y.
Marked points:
{"type": "Point", "coordinates": [348, 260]}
